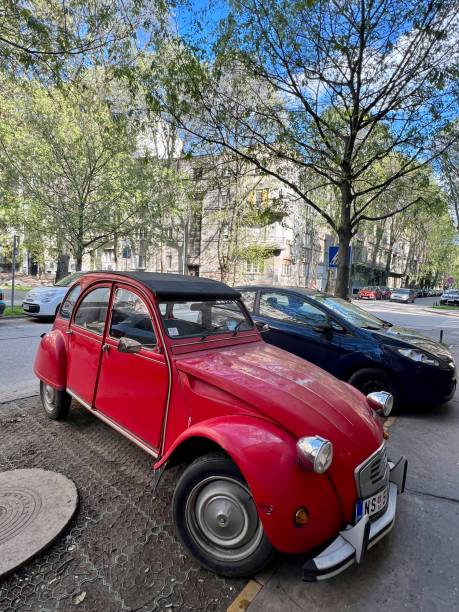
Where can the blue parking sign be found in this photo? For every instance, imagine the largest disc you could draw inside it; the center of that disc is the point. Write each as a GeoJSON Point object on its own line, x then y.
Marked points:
{"type": "Point", "coordinates": [333, 256]}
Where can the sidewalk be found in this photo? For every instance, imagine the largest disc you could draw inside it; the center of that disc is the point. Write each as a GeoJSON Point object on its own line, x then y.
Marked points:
{"type": "Point", "coordinates": [448, 313]}
{"type": "Point", "coordinates": [415, 567]}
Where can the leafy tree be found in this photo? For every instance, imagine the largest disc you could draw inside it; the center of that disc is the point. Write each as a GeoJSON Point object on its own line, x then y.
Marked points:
{"type": "Point", "coordinates": [330, 90]}
{"type": "Point", "coordinates": [75, 166]}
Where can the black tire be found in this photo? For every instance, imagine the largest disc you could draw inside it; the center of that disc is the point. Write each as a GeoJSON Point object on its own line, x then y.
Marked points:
{"type": "Point", "coordinates": [207, 487]}
{"type": "Point", "coordinates": [55, 403]}
{"type": "Point", "coordinates": [368, 380]}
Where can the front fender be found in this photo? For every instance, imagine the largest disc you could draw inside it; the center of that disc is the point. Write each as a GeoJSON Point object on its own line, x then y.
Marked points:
{"type": "Point", "coordinates": [266, 456]}
{"type": "Point", "coordinates": [50, 364]}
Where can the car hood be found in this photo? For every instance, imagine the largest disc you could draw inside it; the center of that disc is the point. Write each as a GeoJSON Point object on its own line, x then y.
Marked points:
{"type": "Point", "coordinates": [405, 336]}
{"type": "Point", "coordinates": [39, 291]}
{"type": "Point", "coordinates": [296, 394]}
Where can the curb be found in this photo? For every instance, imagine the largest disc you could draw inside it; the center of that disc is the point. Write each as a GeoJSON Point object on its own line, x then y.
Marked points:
{"type": "Point", "coordinates": [250, 591]}
{"type": "Point", "coordinates": [447, 313]}
{"type": "Point", "coordinates": [9, 317]}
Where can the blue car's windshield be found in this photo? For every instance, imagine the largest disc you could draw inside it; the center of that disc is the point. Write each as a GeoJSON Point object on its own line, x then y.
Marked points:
{"type": "Point", "coordinates": [355, 315]}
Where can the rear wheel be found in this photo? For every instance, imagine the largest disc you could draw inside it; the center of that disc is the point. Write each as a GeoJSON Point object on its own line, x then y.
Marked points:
{"type": "Point", "coordinates": [369, 380]}
{"type": "Point", "coordinates": [217, 519]}
{"type": "Point", "coordinates": [56, 403]}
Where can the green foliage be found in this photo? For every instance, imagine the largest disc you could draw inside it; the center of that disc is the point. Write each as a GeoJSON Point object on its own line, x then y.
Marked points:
{"type": "Point", "coordinates": [256, 252]}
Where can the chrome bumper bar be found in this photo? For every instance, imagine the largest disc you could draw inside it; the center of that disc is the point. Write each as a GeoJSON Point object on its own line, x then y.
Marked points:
{"type": "Point", "coordinates": [352, 543]}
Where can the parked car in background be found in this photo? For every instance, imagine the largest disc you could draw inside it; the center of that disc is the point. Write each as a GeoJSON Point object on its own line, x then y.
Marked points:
{"type": "Point", "coordinates": [403, 295]}
{"type": "Point", "coordinates": [450, 297]}
{"type": "Point", "coordinates": [386, 293]}
{"type": "Point", "coordinates": [352, 344]}
{"type": "Point", "coordinates": [369, 293]}
{"type": "Point", "coordinates": [44, 302]}
{"type": "Point", "coordinates": [175, 364]}
{"type": "Point", "coordinates": [2, 302]}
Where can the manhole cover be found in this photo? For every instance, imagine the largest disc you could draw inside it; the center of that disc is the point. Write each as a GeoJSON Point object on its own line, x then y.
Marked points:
{"type": "Point", "coordinates": [35, 506]}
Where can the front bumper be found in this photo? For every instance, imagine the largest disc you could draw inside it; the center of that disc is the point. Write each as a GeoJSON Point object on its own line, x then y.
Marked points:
{"type": "Point", "coordinates": [352, 543]}
{"type": "Point", "coordinates": [30, 308]}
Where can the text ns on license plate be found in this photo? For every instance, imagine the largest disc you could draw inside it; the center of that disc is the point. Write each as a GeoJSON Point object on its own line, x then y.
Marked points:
{"type": "Point", "coordinates": [372, 505]}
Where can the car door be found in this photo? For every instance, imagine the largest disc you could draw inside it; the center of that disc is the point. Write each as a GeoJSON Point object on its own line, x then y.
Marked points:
{"type": "Point", "coordinates": [132, 388]}
{"type": "Point", "coordinates": [291, 319]}
{"type": "Point", "coordinates": [86, 337]}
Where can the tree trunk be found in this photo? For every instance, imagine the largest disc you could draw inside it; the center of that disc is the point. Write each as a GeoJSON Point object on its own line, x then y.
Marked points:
{"type": "Point", "coordinates": [62, 266]}
{"type": "Point", "coordinates": [79, 261]}
{"type": "Point", "coordinates": [344, 241]}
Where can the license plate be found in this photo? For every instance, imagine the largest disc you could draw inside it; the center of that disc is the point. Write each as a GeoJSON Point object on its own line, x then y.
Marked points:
{"type": "Point", "coordinates": [372, 505]}
{"type": "Point", "coordinates": [26, 307]}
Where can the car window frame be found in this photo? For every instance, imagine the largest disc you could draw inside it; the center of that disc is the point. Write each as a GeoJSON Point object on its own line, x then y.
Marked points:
{"type": "Point", "coordinates": [151, 314]}
{"type": "Point", "coordinates": [87, 290]}
{"type": "Point", "coordinates": [69, 291]}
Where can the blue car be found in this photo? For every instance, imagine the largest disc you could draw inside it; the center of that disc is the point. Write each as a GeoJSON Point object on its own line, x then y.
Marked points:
{"type": "Point", "coordinates": [353, 345]}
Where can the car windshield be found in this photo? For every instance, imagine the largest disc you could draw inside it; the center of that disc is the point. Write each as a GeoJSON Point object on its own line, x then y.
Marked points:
{"type": "Point", "coordinates": [203, 317]}
{"type": "Point", "coordinates": [68, 280]}
{"type": "Point", "coordinates": [401, 290]}
{"type": "Point", "coordinates": [355, 315]}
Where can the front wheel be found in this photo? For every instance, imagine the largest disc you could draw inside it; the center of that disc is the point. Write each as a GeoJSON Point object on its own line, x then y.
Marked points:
{"type": "Point", "coordinates": [369, 380]}
{"type": "Point", "coordinates": [217, 519]}
{"type": "Point", "coordinates": [56, 403]}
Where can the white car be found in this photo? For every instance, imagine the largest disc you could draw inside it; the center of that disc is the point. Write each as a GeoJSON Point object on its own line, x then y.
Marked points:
{"type": "Point", "coordinates": [45, 301]}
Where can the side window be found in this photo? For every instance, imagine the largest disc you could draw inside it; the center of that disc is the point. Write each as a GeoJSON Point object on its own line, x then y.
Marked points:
{"type": "Point", "coordinates": [69, 302]}
{"type": "Point", "coordinates": [248, 297]}
{"type": "Point", "coordinates": [291, 309]}
{"type": "Point", "coordinates": [92, 311]}
{"type": "Point", "coordinates": [130, 319]}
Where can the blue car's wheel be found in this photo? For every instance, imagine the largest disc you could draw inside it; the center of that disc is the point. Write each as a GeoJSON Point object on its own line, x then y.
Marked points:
{"type": "Point", "coordinates": [368, 380]}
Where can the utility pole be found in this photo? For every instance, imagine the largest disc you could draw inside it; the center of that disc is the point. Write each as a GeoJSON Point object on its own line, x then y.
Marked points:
{"type": "Point", "coordinates": [15, 246]}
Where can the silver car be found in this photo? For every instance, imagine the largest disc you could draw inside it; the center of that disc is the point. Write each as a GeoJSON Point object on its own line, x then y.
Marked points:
{"type": "Point", "coordinates": [406, 296]}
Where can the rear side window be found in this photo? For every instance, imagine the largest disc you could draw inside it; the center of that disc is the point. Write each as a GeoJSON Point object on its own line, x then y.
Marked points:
{"type": "Point", "coordinates": [69, 302]}
{"type": "Point", "coordinates": [92, 310]}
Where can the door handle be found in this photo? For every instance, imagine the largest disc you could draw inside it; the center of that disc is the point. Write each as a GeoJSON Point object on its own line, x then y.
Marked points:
{"type": "Point", "coordinates": [106, 347]}
{"type": "Point", "coordinates": [69, 332]}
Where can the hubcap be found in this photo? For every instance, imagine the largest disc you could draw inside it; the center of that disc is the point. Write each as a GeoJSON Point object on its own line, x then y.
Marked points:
{"type": "Point", "coordinates": [223, 519]}
{"type": "Point", "coordinates": [48, 398]}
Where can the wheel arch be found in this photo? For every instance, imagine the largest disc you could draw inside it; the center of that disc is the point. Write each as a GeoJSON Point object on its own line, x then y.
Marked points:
{"type": "Point", "coordinates": [265, 455]}
{"type": "Point", "coordinates": [50, 364]}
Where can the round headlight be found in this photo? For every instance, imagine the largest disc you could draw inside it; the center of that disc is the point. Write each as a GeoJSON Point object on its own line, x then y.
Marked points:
{"type": "Point", "coordinates": [381, 402]}
{"type": "Point", "coordinates": [314, 453]}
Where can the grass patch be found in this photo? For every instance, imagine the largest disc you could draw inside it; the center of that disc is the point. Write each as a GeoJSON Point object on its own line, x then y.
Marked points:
{"type": "Point", "coordinates": [16, 311]}
{"type": "Point", "coordinates": [445, 307]}
{"type": "Point", "coordinates": [17, 288]}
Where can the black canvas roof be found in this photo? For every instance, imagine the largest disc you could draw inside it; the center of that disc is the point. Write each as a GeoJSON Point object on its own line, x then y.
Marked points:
{"type": "Point", "coordinates": [179, 286]}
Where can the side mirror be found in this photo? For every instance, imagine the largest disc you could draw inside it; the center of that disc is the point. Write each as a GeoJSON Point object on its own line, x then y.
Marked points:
{"type": "Point", "coordinates": [128, 345]}
{"type": "Point", "coordinates": [262, 327]}
{"type": "Point", "coordinates": [323, 328]}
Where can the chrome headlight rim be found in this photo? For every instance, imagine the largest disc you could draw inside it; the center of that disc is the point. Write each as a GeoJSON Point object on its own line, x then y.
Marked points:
{"type": "Point", "coordinates": [314, 453]}
{"type": "Point", "coordinates": [381, 402]}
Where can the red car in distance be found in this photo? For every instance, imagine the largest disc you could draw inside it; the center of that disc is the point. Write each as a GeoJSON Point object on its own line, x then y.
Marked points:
{"type": "Point", "coordinates": [385, 293]}
{"type": "Point", "coordinates": [279, 455]}
{"type": "Point", "coordinates": [370, 293]}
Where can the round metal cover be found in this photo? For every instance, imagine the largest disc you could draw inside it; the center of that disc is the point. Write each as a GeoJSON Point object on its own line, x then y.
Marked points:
{"type": "Point", "coordinates": [35, 506]}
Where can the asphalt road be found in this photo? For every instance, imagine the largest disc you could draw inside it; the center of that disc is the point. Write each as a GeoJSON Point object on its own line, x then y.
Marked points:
{"type": "Point", "coordinates": [18, 343]}
{"type": "Point", "coordinates": [415, 568]}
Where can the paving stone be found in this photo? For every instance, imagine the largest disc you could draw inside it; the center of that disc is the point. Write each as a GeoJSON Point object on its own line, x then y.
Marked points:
{"type": "Point", "coordinates": [121, 548]}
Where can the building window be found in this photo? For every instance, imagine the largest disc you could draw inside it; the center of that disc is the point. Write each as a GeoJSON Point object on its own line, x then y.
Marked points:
{"type": "Point", "coordinates": [255, 267]}
{"type": "Point", "coordinates": [286, 268]}
{"type": "Point", "coordinates": [225, 197]}
{"type": "Point", "coordinates": [197, 173]}
{"type": "Point", "coordinates": [169, 261]}
{"type": "Point", "coordinates": [225, 231]}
